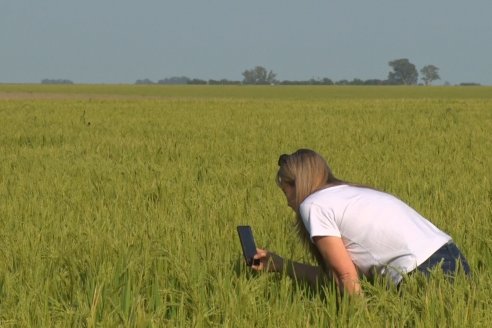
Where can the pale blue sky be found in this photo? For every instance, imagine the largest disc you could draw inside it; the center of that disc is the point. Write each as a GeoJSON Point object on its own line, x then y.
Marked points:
{"type": "Point", "coordinates": [120, 41]}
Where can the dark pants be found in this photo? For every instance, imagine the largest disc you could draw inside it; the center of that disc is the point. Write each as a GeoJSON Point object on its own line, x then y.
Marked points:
{"type": "Point", "coordinates": [448, 258]}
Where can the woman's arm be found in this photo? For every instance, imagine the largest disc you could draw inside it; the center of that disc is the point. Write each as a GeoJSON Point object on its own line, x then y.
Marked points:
{"type": "Point", "coordinates": [313, 275]}
{"type": "Point", "coordinates": [338, 259]}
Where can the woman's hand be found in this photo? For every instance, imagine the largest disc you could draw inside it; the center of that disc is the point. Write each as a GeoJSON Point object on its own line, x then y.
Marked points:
{"type": "Point", "coordinates": [269, 261]}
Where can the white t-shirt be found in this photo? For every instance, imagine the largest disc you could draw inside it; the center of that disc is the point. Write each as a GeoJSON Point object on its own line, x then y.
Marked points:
{"type": "Point", "coordinates": [381, 233]}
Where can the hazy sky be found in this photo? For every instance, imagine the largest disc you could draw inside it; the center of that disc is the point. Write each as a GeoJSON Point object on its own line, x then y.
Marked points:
{"type": "Point", "coordinates": [120, 41]}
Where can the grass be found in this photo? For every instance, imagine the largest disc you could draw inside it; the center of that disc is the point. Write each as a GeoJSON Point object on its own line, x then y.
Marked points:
{"type": "Point", "coordinates": [118, 204]}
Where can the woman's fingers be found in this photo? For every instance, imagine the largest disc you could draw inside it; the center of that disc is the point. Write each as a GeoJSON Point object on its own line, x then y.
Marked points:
{"type": "Point", "coordinates": [268, 261]}
{"type": "Point", "coordinates": [261, 258]}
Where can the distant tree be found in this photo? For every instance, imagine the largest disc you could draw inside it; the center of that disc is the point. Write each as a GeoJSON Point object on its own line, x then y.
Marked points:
{"type": "Point", "coordinates": [144, 81]}
{"type": "Point", "coordinates": [223, 82]}
{"type": "Point", "coordinates": [430, 73]}
{"type": "Point", "coordinates": [56, 81]}
{"type": "Point", "coordinates": [357, 82]}
{"type": "Point", "coordinates": [342, 82]}
{"type": "Point", "coordinates": [317, 81]}
{"type": "Point", "coordinates": [327, 81]}
{"type": "Point", "coordinates": [403, 72]}
{"type": "Point", "coordinates": [258, 75]}
{"type": "Point", "coordinates": [374, 82]}
{"type": "Point", "coordinates": [197, 81]}
{"type": "Point", "coordinates": [174, 80]}
{"type": "Point", "coordinates": [290, 82]}
{"type": "Point", "coordinates": [469, 84]}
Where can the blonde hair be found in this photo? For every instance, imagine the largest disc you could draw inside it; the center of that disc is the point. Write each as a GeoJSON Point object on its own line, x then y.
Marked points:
{"type": "Point", "coordinates": [307, 171]}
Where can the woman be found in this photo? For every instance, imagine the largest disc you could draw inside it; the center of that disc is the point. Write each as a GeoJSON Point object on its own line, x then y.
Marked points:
{"type": "Point", "coordinates": [355, 230]}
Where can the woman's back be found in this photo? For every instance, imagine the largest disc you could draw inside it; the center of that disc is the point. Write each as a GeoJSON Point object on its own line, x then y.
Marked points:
{"type": "Point", "coordinates": [381, 232]}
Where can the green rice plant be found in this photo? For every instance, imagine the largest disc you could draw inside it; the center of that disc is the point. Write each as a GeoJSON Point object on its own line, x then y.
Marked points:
{"type": "Point", "coordinates": [118, 204]}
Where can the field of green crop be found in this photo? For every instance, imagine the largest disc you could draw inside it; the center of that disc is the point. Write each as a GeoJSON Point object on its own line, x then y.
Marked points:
{"type": "Point", "coordinates": [119, 204]}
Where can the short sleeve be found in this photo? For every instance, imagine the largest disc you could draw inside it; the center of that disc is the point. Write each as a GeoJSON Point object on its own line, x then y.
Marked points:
{"type": "Point", "coordinates": [319, 221]}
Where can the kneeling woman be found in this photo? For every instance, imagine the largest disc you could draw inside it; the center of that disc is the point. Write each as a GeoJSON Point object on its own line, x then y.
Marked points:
{"type": "Point", "coordinates": [355, 229]}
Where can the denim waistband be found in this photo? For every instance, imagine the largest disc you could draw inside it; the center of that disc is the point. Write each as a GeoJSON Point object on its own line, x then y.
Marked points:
{"type": "Point", "coordinates": [447, 257]}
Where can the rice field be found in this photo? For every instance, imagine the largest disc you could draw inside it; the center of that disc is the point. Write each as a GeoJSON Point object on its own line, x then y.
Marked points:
{"type": "Point", "coordinates": [119, 203]}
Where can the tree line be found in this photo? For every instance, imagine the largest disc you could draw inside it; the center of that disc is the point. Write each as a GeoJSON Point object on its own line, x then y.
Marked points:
{"type": "Point", "coordinates": [402, 72]}
{"type": "Point", "coordinates": [56, 81]}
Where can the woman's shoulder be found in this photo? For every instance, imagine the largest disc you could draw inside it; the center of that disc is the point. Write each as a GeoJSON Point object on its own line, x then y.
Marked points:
{"type": "Point", "coordinates": [327, 201]}
{"type": "Point", "coordinates": [341, 192]}
{"type": "Point", "coordinates": [321, 196]}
